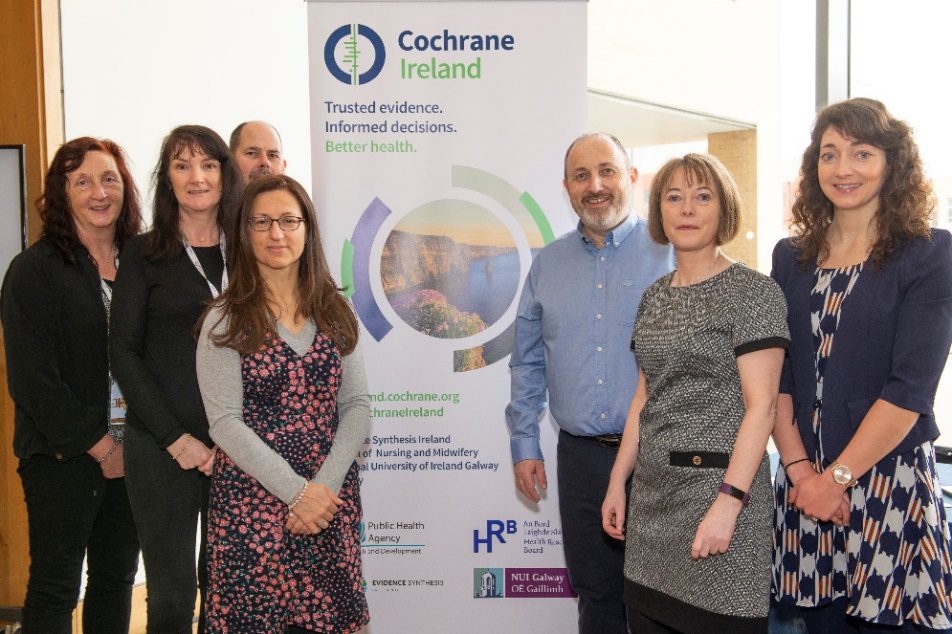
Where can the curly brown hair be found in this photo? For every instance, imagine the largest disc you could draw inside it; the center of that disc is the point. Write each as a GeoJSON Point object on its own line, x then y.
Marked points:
{"type": "Point", "coordinates": [53, 205]}
{"type": "Point", "coordinates": [244, 303]}
{"type": "Point", "coordinates": [906, 200]}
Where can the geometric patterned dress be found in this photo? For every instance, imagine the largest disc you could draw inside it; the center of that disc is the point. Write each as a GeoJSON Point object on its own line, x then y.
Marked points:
{"type": "Point", "coordinates": [261, 577]}
{"type": "Point", "coordinates": [893, 560]}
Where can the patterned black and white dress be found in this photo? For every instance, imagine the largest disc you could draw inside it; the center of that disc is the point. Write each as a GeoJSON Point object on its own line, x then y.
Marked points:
{"type": "Point", "coordinates": [892, 562]}
{"type": "Point", "coordinates": [687, 340]}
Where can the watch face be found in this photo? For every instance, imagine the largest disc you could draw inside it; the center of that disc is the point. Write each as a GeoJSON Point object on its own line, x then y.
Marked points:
{"type": "Point", "coordinates": [842, 474]}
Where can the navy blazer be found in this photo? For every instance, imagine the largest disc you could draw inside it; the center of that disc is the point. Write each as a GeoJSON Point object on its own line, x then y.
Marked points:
{"type": "Point", "coordinates": [891, 343]}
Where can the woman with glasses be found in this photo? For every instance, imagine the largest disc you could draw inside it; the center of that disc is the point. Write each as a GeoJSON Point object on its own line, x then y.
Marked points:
{"type": "Point", "coordinates": [168, 276]}
{"type": "Point", "coordinates": [286, 396]}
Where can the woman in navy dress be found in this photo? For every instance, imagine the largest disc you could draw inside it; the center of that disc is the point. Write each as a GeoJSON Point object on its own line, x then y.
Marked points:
{"type": "Point", "coordinates": [861, 537]}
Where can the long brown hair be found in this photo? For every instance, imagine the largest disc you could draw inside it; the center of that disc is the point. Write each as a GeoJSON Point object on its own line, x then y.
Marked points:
{"type": "Point", "coordinates": [58, 224]}
{"type": "Point", "coordinates": [244, 304]}
{"type": "Point", "coordinates": [906, 200]}
{"type": "Point", "coordinates": [165, 240]}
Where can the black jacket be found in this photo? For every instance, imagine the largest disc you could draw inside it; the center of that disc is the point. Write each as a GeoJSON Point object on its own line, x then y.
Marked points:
{"type": "Point", "coordinates": [155, 306]}
{"type": "Point", "coordinates": [55, 335]}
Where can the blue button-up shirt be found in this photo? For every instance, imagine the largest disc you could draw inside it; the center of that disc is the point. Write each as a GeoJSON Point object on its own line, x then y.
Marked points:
{"type": "Point", "coordinates": [573, 332]}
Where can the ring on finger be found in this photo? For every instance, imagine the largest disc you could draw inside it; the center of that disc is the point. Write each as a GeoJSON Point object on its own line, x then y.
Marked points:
{"type": "Point", "coordinates": [324, 524]}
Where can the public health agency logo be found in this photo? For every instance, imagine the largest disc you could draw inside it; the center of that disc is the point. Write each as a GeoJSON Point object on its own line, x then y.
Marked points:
{"type": "Point", "coordinates": [449, 268]}
{"type": "Point", "coordinates": [354, 54]}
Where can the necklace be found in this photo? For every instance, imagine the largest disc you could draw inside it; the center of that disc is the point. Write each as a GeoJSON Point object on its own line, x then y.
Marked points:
{"type": "Point", "coordinates": [678, 278]}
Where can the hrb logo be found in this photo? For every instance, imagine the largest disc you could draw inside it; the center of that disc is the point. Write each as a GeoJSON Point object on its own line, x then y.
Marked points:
{"type": "Point", "coordinates": [347, 61]}
{"type": "Point", "coordinates": [494, 530]}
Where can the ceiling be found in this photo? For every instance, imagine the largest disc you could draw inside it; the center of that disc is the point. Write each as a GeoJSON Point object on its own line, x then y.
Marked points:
{"type": "Point", "coordinates": [639, 123]}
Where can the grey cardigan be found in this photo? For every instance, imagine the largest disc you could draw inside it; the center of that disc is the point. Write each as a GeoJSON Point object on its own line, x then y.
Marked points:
{"type": "Point", "coordinates": [219, 377]}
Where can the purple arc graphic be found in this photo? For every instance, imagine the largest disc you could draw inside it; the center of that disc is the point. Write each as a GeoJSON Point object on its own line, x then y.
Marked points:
{"type": "Point", "coordinates": [363, 298]}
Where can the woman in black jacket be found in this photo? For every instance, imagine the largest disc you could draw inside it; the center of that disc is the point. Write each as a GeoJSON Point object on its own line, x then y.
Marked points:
{"type": "Point", "coordinates": [168, 276]}
{"type": "Point", "coordinates": [70, 416]}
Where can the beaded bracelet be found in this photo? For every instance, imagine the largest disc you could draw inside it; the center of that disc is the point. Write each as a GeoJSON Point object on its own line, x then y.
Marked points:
{"type": "Point", "coordinates": [184, 447]}
{"type": "Point", "coordinates": [106, 455]}
{"type": "Point", "coordinates": [299, 496]}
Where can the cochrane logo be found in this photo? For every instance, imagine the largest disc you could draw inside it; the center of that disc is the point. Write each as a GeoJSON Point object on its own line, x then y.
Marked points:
{"type": "Point", "coordinates": [349, 60]}
{"type": "Point", "coordinates": [438, 67]}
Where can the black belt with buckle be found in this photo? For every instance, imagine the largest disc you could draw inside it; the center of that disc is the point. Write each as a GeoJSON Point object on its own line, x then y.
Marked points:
{"type": "Point", "coordinates": [612, 441]}
{"type": "Point", "coordinates": [700, 459]}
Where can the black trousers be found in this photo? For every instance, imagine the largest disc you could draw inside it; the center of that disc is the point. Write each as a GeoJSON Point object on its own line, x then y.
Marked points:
{"type": "Point", "coordinates": [74, 512]}
{"type": "Point", "coordinates": [167, 503]}
{"type": "Point", "coordinates": [594, 559]}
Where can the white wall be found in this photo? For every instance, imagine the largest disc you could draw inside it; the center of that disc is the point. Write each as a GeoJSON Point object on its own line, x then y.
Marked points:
{"type": "Point", "coordinates": [737, 59]}
{"type": "Point", "coordinates": [132, 71]}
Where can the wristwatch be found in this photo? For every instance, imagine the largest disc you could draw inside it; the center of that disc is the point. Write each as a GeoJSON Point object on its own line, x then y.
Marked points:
{"type": "Point", "coordinates": [842, 475]}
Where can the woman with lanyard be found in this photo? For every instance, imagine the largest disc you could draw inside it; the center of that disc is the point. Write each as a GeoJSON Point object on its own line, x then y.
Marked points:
{"type": "Point", "coordinates": [168, 276]}
{"type": "Point", "coordinates": [68, 430]}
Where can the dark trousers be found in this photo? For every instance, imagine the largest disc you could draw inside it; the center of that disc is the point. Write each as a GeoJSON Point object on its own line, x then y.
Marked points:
{"type": "Point", "coordinates": [638, 623]}
{"type": "Point", "coordinates": [74, 512]}
{"type": "Point", "coordinates": [832, 618]}
{"type": "Point", "coordinates": [594, 559]}
{"type": "Point", "coordinates": [167, 503]}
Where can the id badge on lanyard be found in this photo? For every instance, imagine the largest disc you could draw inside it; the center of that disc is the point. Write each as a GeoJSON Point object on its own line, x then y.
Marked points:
{"type": "Point", "coordinates": [117, 403]}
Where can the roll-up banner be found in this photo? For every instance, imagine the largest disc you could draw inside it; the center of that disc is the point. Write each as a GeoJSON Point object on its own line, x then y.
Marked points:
{"type": "Point", "coordinates": [438, 131]}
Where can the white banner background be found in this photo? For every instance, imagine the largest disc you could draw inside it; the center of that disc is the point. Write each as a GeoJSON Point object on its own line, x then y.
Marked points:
{"type": "Point", "coordinates": [428, 530]}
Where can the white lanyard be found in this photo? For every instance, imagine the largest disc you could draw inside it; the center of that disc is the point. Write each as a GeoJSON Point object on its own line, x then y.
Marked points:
{"type": "Point", "coordinates": [198, 265]}
{"type": "Point", "coordinates": [117, 403]}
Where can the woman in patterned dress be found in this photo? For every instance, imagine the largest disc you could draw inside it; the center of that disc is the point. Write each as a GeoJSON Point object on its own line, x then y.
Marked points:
{"type": "Point", "coordinates": [286, 397]}
{"type": "Point", "coordinates": [861, 538]}
{"type": "Point", "coordinates": [709, 340]}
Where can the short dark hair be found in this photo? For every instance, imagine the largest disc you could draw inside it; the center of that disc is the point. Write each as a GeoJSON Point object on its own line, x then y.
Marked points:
{"type": "Point", "coordinates": [235, 137]}
{"type": "Point", "coordinates": [698, 168]}
{"type": "Point", "coordinates": [166, 239]}
{"type": "Point", "coordinates": [53, 205]}
{"type": "Point", "coordinates": [589, 135]}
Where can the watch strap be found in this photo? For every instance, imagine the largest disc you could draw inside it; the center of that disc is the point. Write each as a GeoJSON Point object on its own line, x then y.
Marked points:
{"type": "Point", "coordinates": [734, 492]}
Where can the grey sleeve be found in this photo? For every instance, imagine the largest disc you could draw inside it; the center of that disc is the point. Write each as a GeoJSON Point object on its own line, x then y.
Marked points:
{"type": "Point", "coordinates": [353, 409]}
{"type": "Point", "coordinates": [219, 378]}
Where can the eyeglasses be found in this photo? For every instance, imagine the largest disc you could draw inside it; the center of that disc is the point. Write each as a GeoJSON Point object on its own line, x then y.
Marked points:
{"type": "Point", "coordinates": [285, 223]}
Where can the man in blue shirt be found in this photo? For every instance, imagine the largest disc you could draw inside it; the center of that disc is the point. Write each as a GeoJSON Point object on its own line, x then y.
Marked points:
{"type": "Point", "coordinates": [573, 330]}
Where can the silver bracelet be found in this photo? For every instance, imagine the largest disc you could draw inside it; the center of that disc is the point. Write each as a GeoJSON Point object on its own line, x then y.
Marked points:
{"type": "Point", "coordinates": [184, 447]}
{"type": "Point", "coordinates": [106, 455]}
